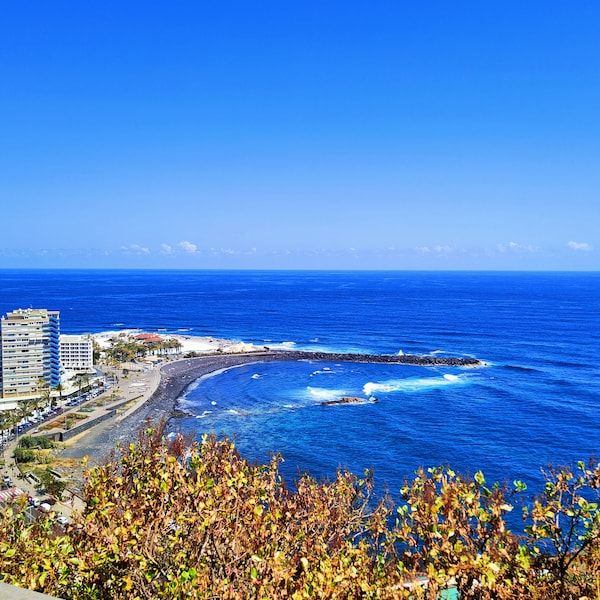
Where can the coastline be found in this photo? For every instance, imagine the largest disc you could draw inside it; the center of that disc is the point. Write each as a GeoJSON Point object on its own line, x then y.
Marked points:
{"type": "Point", "coordinates": [174, 377]}
{"type": "Point", "coordinates": [159, 403]}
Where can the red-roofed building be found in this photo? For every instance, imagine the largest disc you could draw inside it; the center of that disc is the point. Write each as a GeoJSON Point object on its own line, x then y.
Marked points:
{"type": "Point", "coordinates": [149, 338]}
{"type": "Point", "coordinates": [10, 494]}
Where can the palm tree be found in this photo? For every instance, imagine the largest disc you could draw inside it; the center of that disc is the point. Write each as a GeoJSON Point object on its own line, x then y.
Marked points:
{"type": "Point", "coordinates": [7, 420]}
{"type": "Point", "coordinates": [25, 408]}
{"type": "Point", "coordinates": [44, 390]}
{"type": "Point", "coordinates": [59, 387]}
{"type": "Point", "coordinates": [79, 381]}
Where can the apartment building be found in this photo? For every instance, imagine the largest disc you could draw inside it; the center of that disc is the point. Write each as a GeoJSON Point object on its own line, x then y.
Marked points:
{"type": "Point", "coordinates": [29, 352]}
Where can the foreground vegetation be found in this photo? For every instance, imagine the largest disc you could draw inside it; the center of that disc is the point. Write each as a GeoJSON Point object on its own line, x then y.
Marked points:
{"type": "Point", "coordinates": [184, 520]}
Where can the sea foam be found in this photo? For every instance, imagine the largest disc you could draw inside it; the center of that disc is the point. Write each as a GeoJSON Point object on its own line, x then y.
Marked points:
{"type": "Point", "coordinates": [410, 385]}
{"type": "Point", "coordinates": [323, 394]}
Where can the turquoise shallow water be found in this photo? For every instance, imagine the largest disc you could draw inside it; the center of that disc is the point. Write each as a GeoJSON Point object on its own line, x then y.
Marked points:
{"type": "Point", "coordinates": [536, 402]}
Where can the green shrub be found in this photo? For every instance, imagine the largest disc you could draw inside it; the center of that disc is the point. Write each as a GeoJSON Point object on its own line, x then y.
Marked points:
{"type": "Point", "coordinates": [52, 484]}
{"type": "Point", "coordinates": [40, 441]}
{"type": "Point", "coordinates": [179, 519]}
{"type": "Point", "coordinates": [25, 455]}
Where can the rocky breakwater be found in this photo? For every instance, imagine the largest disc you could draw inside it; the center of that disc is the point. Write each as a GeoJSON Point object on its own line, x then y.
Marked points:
{"type": "Point", "coordinates": [404, 359]}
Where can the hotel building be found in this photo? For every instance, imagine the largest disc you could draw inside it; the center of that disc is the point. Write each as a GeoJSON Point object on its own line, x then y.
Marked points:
{"type": "Point", "coordinates": [77, 353]}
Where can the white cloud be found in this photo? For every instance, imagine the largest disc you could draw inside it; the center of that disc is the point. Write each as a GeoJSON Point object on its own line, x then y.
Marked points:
{"type": "Point", "coordinates": [580, 246]}
{"type": "Point", "coordinates": [437, 249]}
{"type": "Point", "coordinates": [166, 249]}
{"type": "Point", "coordinates": [232, 252]}
{"type": "Point", "coordinates": [516, 247]}
{"type": "Point", "coordinates": [188, 247]}
{"type": "Point", "coordinates": [135, 249]}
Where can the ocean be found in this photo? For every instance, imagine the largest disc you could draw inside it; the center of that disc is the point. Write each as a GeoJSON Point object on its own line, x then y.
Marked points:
{"type": "Point", "coordinates": [534, 404]}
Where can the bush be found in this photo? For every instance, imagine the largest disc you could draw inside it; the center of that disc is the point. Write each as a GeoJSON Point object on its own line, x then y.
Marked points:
{"type": "Point", "coordinates": [52, 484]}
{"type": "Point", "coordinates": [27, 441]}
{"type": "Point", "coordinates": [40, 441]}
{"type": "Point", "coordinates": [181, 519]}
{"type": "Point", "coordinates": [25, 455]}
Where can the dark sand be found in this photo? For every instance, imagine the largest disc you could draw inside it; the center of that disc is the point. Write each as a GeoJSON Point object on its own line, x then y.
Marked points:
{"type": "Point", "coordinates": [175, 378]}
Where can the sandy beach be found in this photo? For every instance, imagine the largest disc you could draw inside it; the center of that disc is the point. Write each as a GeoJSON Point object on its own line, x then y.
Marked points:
{"type": "Point", "coordinates": [157, 390]}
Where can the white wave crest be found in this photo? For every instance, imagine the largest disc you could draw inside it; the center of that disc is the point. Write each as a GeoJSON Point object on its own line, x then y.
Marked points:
{"type": "Point", "coordinates": [238, 413]}
{"type": "Point", "coordinates": [323, 371]}
{"type": "Point", "coordinates": [411, 385]}
{"type": "Point", "coordinates": [255, 376]}
{"type": "Point", "coordinates": [451, 377]}
{"type": "Point", "coordinates": [323, 394]}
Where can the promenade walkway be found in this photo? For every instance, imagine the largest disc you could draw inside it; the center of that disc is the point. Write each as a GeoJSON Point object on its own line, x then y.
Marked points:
{"type": "Point", "coordinates": [114, 404]}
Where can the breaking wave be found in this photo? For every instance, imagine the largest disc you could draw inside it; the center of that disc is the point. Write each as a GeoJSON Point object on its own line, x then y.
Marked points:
{"type": "Point", "coordinates": [411, 385]}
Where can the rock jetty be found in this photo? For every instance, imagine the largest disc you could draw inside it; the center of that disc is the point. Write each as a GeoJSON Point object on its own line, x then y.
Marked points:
{"type": "Point", "coordinates": [404, 359]}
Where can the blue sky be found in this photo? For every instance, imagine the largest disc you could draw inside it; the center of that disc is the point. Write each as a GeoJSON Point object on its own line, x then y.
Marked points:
{"type": "Point", "coordinates": [300, 135]}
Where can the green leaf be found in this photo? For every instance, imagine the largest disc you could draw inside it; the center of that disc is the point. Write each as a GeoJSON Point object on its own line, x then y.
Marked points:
{"type": "Point", "coordinates": [479, 478]}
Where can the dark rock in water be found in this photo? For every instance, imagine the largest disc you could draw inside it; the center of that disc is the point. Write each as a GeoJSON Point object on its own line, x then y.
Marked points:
{"type": "Point", "coordinates": [178, 413]}
{"type": "Point", "coordinates": [348, 400]}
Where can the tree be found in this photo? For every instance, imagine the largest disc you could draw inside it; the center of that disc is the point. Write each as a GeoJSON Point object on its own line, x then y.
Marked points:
{"type": "Point", "coordinates": [25, 406]}
{"type": "Point", "coordinates": [60, 388]}
{"type": "Point", "coordinates": [52, 484]}
{"type": "Point", "coordinates": [177, 521]}
{"type": "Point", "coordinates": [563, 525]}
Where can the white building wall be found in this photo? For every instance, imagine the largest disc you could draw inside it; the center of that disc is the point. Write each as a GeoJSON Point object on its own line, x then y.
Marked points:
{"type": "Point", "coordinates": [77, 353]}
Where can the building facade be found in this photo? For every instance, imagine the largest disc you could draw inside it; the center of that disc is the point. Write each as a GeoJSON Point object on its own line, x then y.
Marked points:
{"type": "Point", "coordinates": [77, 353]}
{"type": "Point", "coordinates": [29, 352]}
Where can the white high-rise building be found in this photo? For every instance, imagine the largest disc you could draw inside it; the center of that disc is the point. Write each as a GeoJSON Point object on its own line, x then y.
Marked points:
{"type": "Point", "coordinates": [77, 353]}
{"type": "Point", "coordinates": [29, 352]}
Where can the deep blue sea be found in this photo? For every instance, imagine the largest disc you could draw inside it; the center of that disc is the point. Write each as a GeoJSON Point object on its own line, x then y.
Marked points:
{"type": "Point", "coordinates": [536, 403]}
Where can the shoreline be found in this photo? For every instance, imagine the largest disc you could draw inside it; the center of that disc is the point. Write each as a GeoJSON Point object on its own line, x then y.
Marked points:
{"type": "Point", "coordinates": [175, 377]}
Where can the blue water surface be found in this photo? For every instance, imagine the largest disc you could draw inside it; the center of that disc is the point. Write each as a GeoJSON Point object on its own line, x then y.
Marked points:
{"type": "Point", "coordinates": [535, 403]}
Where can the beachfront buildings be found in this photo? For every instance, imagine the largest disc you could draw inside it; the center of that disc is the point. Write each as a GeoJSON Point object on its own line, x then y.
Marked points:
{"type": "Point", "coordinates": [29, 353]}
{"type": "Point", "coordinates": [77, 353]}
